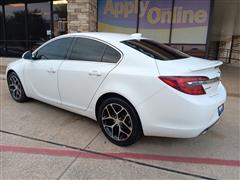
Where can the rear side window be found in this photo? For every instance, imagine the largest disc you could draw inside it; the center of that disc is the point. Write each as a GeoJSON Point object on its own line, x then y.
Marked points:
{"type": "Point", "coordinates": [156, 50]}
{"type": "Point", "coordinates": [54, 50]}
{"type": "Point", "coordinates": [85, 49]}
{"type": "Point", "coordinates": [111, 55]}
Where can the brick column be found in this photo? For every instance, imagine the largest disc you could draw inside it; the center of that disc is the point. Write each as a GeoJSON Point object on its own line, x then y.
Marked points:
{"type": "Point", "coordinates": [82, 15]}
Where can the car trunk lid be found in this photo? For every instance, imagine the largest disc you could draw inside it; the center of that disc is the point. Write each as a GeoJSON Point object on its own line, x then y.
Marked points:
{"type": "Point", "coordinates": [193, 66]}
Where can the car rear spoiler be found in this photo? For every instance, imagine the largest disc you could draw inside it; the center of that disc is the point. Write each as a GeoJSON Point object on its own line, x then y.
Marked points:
{"type": "Point", "coordinates": [215, 64]}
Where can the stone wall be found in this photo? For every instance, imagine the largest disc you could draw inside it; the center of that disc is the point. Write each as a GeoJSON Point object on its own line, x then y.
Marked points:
{"type": "Point", "coordinates": [82, 15]}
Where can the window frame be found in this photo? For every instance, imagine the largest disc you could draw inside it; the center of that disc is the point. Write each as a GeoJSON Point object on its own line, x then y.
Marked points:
{"type": "Point", "coordinates": [96, 39]}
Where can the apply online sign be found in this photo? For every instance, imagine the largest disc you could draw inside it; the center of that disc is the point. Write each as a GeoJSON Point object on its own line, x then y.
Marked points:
{"type": "Point", "coordinates": [155, 16]}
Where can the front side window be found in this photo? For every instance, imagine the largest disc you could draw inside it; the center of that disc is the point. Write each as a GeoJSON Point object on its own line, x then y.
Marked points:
{"type": "Point", "coordinates": [85, 49]}
{"type": "Point", "coordinates": [54, 50]}
{"type": "Point", "coordinates": [156, 50]}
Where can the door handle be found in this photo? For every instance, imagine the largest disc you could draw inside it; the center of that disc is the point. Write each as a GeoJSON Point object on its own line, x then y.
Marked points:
{"type": "Point", "coordinates": [94, 73]}
{"type": "Point", "coordinates": [50, 70]}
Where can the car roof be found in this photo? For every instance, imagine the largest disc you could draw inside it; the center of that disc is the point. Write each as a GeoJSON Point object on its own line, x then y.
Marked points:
{"type": "Point", "coordinates": [106, 36]}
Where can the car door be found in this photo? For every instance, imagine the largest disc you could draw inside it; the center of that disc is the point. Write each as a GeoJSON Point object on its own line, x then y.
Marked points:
{"type": "Point", "coordinates": [41, 73]}
{"type": "Point", "coordinates": [82, 73]}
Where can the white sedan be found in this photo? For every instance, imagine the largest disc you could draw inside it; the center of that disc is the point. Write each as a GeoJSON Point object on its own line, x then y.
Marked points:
{"type": "Point", "coordinates": [131, 85]}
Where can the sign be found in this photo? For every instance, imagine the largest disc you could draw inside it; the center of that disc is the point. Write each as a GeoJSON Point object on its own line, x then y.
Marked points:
{"type": "Point", "coordinates": [190, 18]}
{"type": "Point", "coordinates": [190, 21]}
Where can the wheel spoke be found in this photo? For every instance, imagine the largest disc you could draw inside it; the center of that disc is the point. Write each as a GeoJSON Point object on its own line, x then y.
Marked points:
{"type": "Point", "coordinates": [111, 105]}
{"type": "Point", "coordinates": [11, 85]}
{"type": "Point", "coordinates": [15, 93]}
{"type": "Point", "coordinates": [119, 132]}
{"type": "Point", "coordinates": [109, 121]}
{"type": "Point", "coordinates": [11, 88]}
{"type": "Point", "coordinates": [109, 115]}
{"type": "Point", "coordinates": [121, 110]}
{"type": "Point", "coordinates": [110, 130]}
{"type": "Point", "coordinates": [14, 79]}
{"type": "Point", "coordinates": [125, 117]}
{"type": "Point", "coordinates": [126, 128]}
{"type": "Point", "coordinates": [127, 121]}
{"type": "Point", "coordinates": [110, 111]}
{"type": "Point", "coordinates": [126, 134]}
{"type": "Point", "coordinates": [18, 92]}
{"type": "Point", "coordinates": [116, 130]}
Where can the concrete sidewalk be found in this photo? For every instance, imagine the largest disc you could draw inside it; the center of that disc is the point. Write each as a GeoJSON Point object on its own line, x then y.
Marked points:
{"type": "Point", "coordinates": [4, 62]}
{"type": "Point", "coordinates": [231, 79]}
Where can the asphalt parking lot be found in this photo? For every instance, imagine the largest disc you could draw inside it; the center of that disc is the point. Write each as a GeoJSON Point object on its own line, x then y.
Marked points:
{"type": "Point", "coordinates": [39, 141]}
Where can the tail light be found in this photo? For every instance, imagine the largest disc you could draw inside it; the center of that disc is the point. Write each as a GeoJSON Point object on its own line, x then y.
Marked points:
{"type": "Point", "coordinates": [186, 84]}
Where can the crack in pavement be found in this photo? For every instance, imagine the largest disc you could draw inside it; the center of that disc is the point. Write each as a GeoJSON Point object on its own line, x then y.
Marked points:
{"type": "Point", "coordinates": [74, 160]}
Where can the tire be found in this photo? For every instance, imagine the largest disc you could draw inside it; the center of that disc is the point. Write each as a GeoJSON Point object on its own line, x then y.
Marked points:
{"type": "Point", "coordinates": [119, 121]}
{"type": "Point", "coordinates": [15, 88]}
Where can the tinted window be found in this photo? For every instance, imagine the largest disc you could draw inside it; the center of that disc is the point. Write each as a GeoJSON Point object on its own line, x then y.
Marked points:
{"type": "Point", "coordinates": [54, 50]}
{"type": "Point", "coordinates": [156, 50]}
{"type": "Point", "coordinates": [87, 50]}
{"type": "Point", "coordinates": [111, 55]}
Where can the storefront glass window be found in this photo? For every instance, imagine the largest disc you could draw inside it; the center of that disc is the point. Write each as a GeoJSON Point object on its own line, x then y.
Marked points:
{"type": "Point", "coordinates": [117, 16]}
{"type": "Point", "coordinates": [39, 23]}
{"type": "Point", "coordinates": [29, 23]}
{"type": "Point", "coordinates": [190, 21]}
{"type": "Point", "coordinates": [184, 22]}
{"type": "Point", "coordinates": [60, 17]}
{"type": "Point", "coordinates": [15, 28]}
{"type": "Point", "coordinates": [193, 50]}
{"type": "Point", "coordinates": [224, 36]}
{"type": "Point", "coordinates": [155, 19]}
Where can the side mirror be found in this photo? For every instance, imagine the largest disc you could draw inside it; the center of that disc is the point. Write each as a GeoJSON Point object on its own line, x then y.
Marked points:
{"type": "Point", "coordinates": [27, 55]}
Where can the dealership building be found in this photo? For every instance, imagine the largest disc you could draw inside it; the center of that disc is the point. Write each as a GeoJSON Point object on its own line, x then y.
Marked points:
{"type": "Point", "coordinates": [203, 28]}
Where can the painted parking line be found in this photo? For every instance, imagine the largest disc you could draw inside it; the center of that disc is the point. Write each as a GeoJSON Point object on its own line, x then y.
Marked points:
{"type": "Point", "coordinates": [105, 156]}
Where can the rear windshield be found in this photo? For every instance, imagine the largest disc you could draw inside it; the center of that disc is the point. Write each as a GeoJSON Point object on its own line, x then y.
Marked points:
{"type": "Point", "coordinates": [156, 50]}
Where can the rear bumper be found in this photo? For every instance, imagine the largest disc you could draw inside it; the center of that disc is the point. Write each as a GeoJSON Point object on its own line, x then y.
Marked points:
{"type": "Point", "coordinates": [180, 115]}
